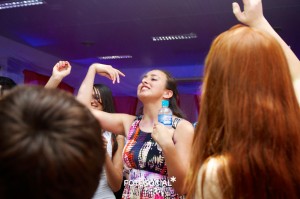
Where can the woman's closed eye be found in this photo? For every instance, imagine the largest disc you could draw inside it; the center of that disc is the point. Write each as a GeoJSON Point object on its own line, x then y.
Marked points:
{"type": "Point", "coordinates": [97, 98]}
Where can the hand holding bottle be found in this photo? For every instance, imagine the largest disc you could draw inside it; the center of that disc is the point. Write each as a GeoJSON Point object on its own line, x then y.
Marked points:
{"type": "Point", "coordinates": [162, 135]}
{"type": "Point", "coordinates": [163, 131]}
{"type": "Point", "coordinates": [165, 114]}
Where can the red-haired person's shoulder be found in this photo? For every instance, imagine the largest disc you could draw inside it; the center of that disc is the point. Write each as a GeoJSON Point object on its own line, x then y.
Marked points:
{"type": "Point", "coordinates": [208, 186]}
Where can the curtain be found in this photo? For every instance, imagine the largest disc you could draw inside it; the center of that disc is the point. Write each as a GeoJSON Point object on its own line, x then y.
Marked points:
{"type": "Point", "coordinates": [190, 107]}
{"type": "Point", "coordinates": [31, 77]}
{"type": "Point", "coordinates": [125, 104]}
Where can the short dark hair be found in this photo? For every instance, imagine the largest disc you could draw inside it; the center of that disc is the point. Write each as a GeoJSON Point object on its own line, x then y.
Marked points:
{"type": "Point", "coordinates": [49, 146]}
{"type": "Point", "coordinates": [6, 82]}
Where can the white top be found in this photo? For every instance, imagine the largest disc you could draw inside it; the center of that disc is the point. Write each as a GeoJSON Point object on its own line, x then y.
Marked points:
{"type": "Point", "coordinates": [104, 191]}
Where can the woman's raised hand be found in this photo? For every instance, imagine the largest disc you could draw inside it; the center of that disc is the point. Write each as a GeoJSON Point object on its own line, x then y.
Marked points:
{"type": "Point", "coordinates": [61, 69]}
{"type": "Point", "coordinates": [252, 14]}
{"type": "Point", "coordinates": [108, 71]}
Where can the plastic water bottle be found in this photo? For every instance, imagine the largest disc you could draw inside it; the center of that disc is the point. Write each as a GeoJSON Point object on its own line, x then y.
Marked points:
{"type": "Point", "coordinates": [165, 114]}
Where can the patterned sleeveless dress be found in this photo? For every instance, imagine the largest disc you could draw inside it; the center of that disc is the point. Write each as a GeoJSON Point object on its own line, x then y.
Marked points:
{"type": "Point", "coordinates": [146, 166]}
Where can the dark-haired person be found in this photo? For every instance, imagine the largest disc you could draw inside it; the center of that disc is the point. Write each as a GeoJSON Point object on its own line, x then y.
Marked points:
{"type": "Point", "coordinates": [100, 99]}
{"type": "Point", "coordinates": [157, 157]}
{"type": "Point", "coordinates": [112, 177]}
{"type": "Point", "coordinates": [6, 84]}
{"type": "Point", "coordinates": [49, 146]}
{"type": "Point", "coordinates": [248, 143]}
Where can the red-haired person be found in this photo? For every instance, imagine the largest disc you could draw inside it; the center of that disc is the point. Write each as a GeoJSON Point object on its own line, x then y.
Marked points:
{"type": "Point", "coordinates": [248, 143]}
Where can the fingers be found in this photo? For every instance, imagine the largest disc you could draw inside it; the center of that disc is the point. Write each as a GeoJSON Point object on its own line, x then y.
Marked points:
{"type": "Point", "coordinates": [162, 135]}
{"type": "Point", "coordinates": [108, 71]}
{"type": "Point", "coordinates": [118, 73]}
{"type": "Point", "coordinates": [106, 75]}
{"type": "Point", "coordinates": [112, 75]}
{"type": "Point", "coordinates": [245, 2]}
{"type": "Point", "coordinates": [237, 11]}
{"type": "Point", "coordinates": [154, 131]}
{"type": "Point", "coordinates": [154, 128]}
{"type": "Point", "coordinates": [104, 142]}
{"type": "Point", "coordinates": [157, 126]}
{"type": "Point", "coordinates": [252, 13]}
{"type": "Point", "coordinates": [115, 75]}
{"type": "Point", "coordinates": [62, 65]}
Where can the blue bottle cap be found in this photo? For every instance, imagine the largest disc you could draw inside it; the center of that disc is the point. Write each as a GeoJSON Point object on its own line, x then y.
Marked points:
{"type": "Point", "coordinates": [165, 103]}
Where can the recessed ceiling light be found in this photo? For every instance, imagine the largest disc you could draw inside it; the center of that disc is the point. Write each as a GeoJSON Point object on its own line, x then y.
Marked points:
{"type": "Point", "coordinates": [116, 57]}
{"type": "Point", "coordinates": [175, 37]}
{"type": "Point", "coordinates": [88, 43]}
{"type": "Point", "coordinates": [17, 4]}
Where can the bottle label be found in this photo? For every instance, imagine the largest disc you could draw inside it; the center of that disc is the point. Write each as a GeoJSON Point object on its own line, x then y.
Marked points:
{"type": "Point", "coordinates": [165, 119]}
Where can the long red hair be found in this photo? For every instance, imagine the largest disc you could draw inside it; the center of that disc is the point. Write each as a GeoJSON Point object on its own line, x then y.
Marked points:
{"type": "Point", "coordinates": [249, 114]}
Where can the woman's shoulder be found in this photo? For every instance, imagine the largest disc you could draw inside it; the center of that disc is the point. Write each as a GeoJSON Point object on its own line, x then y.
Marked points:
{"type": "Point", "coordinates": [129, 120]}
{"type": "Point", "coordinates": [182, 124]}
{"type": "Point", "coordinates": [208, 177]}
{"type": "Point", "coordinates": [213, 164]}
{"type": "Point", "coordinates": [181, 121]}
{"type": "Point", "coordinates": [183, 130]}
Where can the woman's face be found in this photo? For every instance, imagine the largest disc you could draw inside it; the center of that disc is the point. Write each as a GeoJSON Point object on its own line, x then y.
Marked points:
{"type": "Point", "coordinates": [96, 102]}
{"type": "Point", "coordinates": [153, 84]}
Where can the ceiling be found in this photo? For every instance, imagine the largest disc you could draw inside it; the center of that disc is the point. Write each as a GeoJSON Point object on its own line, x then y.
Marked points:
{"type": "Point", "coordinates": [82, 30]}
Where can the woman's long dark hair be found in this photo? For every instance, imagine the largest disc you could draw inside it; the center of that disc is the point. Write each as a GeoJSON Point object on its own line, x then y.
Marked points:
{"type": "Point", "coordinates": [108, 106]}
{"type": "Point", "coordinates": [171, 84]}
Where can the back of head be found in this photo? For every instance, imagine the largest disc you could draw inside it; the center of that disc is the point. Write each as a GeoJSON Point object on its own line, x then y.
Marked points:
{"type": "Point", "coordinates": [249, 110]}
{"type": "Point", "coordinates": [49, 146]}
